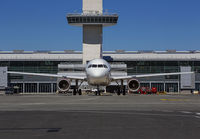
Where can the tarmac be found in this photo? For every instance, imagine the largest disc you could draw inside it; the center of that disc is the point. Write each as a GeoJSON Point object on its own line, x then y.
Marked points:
{"type": "Point", "coordinates": [100, 117]}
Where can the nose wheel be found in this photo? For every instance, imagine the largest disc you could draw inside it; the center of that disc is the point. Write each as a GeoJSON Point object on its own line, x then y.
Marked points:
{"type": "Point", "coordinates": [98, 92]}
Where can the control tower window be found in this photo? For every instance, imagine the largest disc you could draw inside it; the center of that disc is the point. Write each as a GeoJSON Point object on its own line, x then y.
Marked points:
{"type": "Point", "coordinates": [115, 20]}
{"type": "Point", "coordinates": [73, 19]}
{"type": "Point", "coordinates": [96, 20]}
{"type": "Point", "coordinates": [81, 19]}
{"type": "Point", "coordinates": [84, 20]}
{"type": "Point", "coordinates": [104, 19]}
{"type": "Point", "coordinates": [101, 20]}
{"type": "Point", "coordinates": [92, 19]}
{"type": "Point", "coordinates": [107, 20]}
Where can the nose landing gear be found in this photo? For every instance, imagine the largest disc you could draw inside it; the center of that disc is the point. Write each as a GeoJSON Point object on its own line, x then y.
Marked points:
{"type": "Point", "coordinates": [76, 89]}
{"type": "Point", "coordinates": [98, 92]}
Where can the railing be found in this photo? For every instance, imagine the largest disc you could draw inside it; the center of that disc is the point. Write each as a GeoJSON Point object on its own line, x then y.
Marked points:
{"type": "Point", "coordinates": [92, 13]}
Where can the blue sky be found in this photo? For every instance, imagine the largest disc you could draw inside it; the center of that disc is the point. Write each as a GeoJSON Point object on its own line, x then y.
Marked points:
{"type": "Point", "coordinates": [143, 25]}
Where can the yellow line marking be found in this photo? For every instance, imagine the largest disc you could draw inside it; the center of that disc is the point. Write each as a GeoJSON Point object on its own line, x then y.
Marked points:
{"type": "Point", "coordinates": [174, 99]}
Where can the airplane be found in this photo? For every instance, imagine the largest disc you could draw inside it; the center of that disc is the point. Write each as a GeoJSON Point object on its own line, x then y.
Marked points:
{"type": "Point", "coordinates": [98, 73]}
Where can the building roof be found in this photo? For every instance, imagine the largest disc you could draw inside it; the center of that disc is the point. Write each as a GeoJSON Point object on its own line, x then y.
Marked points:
{"type": "Point", "coordinates": [118, 55]}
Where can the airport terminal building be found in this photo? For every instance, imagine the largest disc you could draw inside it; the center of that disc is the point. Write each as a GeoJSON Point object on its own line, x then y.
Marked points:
{"type": "Point", "coordinates": [137, 62]}
{"type": "Point", "coordinates": [69, 62]}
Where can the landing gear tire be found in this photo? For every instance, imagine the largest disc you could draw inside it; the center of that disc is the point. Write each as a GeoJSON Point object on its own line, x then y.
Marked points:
{"type": "Point", "coordinates": [74, 92]}
{"type": "Point", "coordinates": [124, 92]}
{"type": "Point", "coordinates": [118, 92]}
{"type": "Point", "coordinates": [99, 93]}
{"type": "Point", "coordinates": [80, 92]}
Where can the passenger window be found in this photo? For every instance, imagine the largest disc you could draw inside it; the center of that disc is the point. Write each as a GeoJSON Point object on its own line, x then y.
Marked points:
{"type": "Point", "coordinates": [94, 66]}
{"type": "Point", "coordinates": [100, 66]}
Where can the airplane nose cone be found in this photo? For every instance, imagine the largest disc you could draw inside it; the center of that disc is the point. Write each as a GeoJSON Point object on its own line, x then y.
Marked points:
{"type": "Point", "coordinates": [98, 74]}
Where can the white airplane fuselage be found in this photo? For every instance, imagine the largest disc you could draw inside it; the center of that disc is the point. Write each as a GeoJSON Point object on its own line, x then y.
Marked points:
{"type": "Point", "coordinates": [98, 73]}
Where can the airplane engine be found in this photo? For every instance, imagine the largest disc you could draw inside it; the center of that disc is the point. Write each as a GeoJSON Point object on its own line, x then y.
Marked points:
{"type": "Point", "coordinates": [133, 85]}
{"type": "Point", "coordinates": [64, 85]}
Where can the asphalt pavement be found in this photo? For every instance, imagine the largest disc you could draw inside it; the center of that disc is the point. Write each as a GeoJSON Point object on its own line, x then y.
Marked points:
{"type": "Point", "coordinates": [100, 117]}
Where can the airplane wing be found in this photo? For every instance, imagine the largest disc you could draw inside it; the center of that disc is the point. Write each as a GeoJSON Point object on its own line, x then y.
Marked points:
{"type": "Point", "coordinates": [148, 75]}
{"type": "Point", "coordinates": [48, 75]}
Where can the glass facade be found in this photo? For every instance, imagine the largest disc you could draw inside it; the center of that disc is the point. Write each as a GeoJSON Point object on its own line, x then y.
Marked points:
{"type": "Point", "coordinates": [45, 88]}
{"type": "Point", "coordinates": [144, 84]}
{"type": "Point", "coordinates": [171, 87]}
{"type": "Point", "coordinates": [30, 87]}
{"type": "Point", "coordinates": [32, 66]}
{"type": "Point", "coordinates": [159, 86]}
{"type": "Point", "coordinates": [197, 86]}
{"type": "Point", "coordinates": [133, 67]}
{"type": "Point", "coordinates": [138, 67]}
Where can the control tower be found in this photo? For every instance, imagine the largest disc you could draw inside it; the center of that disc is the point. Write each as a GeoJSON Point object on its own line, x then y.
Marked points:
{"type": "Point", "coordinates": [92, 19]}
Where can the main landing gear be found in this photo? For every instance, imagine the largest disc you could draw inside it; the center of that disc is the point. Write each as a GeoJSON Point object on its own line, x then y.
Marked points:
{"type": "Point", "coordinates": [121, 89]}
{"type": "Point", "coordinates": [77, 90]}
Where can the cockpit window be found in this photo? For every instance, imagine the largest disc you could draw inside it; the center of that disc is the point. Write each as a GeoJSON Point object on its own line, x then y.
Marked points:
{"type": "Point", "coordinates": [94, 66]}
{"type": "Point", "coordinates": [89, 66]}
{"type": "Point", "coordinates": [105, 66]}
{"type": "Point", "coordinates": [100, 66]}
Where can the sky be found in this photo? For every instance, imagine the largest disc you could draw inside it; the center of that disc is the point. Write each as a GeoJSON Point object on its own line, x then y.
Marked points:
{"type": "Point", "coordinates": [142, 25]}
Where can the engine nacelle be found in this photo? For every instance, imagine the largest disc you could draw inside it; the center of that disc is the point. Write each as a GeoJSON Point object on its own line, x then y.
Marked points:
{"type": "Point", "coordinates": [64, 85]}
{"type": "Point", "coordinates": [133, 85]}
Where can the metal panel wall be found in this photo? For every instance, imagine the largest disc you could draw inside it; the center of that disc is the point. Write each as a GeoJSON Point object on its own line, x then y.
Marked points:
{"type": "Point", "coordinates": [3, 77]}
{"type": "Point", "coordinates": [187, 80]}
